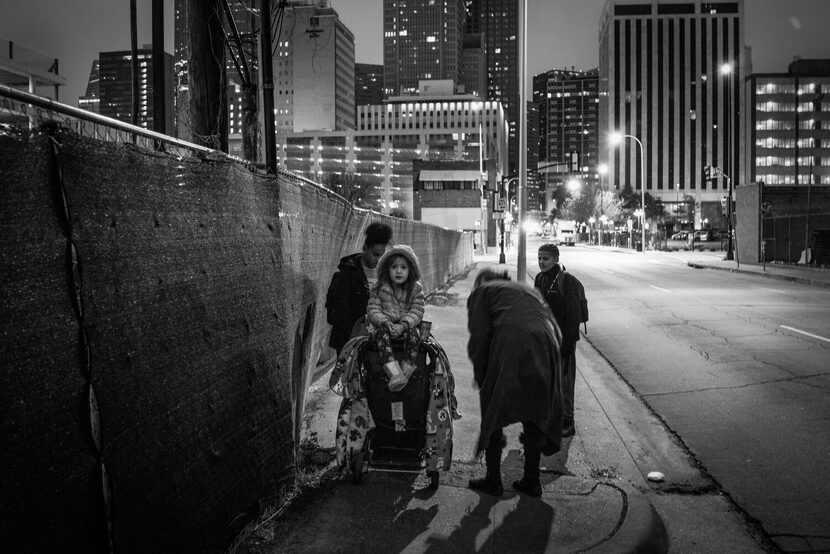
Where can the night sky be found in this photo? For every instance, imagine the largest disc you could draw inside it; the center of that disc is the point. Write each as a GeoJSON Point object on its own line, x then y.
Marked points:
{"type": "Point", "coordinates": [563, 33]}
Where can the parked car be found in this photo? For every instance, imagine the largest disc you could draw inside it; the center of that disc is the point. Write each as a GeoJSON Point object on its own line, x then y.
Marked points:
{"type": "Point", "coordinates": [681, 235]}
{"type": "Point", "coordinates": [702, 235]}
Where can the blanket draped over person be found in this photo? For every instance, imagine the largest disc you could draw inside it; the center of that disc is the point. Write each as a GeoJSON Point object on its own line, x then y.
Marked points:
{"type": "Point", "coordinates": [514, 347]}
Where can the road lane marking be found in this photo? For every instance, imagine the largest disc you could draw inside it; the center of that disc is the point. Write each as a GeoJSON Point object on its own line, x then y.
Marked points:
{"type": "Point", "coordinates": [606, 271]}
{"type": "Point", "coordinates": [661, 290]}
{"type": "Point", "coordinates": [804, 333]}
{"type": "Point", "coordinates": [771, 290]}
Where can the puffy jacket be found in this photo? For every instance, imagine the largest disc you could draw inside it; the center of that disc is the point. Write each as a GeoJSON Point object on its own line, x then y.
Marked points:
{"type": "Point", "coordinates": [385, 306]}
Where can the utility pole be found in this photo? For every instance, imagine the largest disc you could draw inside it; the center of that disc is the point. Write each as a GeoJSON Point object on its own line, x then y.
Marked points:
{"type": "Point", "coordinates": [521, 266]}
{"type": "Point", "coordinates": [267, 72]}
{"type": "Point", "coordinates": [134, 65]}
{"type": "Point", "coordinates": [159, 84]}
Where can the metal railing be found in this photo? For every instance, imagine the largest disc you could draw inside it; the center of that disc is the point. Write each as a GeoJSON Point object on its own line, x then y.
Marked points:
{"type": "Point", "coordinates": [21, 111]}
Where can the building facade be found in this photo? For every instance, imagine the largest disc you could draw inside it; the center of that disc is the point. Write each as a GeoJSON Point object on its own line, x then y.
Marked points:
{"type": "Point", "coordinates": [788, 125]}
{"type": "Point", "coordinates": [379, 152]}
{"type": "Point", "coordinates": [498, 23]}
{"type": "Point", "coordinates": [568, 103]}
{"type": "Point", "coordinates": [368, 84]}
{"type": "Point", "coordinates": [422, 40]}
{"type": "Point", "coordinates": [314, 75]}
{"type": "Point", "coordinates": [115, 87]}
{"type": "Point", "coordinates": [663, 80]}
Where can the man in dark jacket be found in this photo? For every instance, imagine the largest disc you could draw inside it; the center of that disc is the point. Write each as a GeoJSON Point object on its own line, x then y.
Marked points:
{"type": "Point", "coordinates": [348, 292]}
{"type": "Point", "coordinates": [514, 348]}
{"type": "Point", "coordinates": [564, 303]}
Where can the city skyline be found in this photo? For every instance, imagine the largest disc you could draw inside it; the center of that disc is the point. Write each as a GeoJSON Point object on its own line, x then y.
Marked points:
{"type": "Point", "coordinates": [562, 33]}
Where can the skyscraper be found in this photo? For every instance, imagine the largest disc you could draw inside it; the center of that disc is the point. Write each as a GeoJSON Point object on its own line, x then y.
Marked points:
{"type": "Point", "coordinates": [314, 81]}
{"type": "Point", "coordinates": [568, 103]}
{"type": "Point", "coordinates": [368, 84]}
{"type": "Point", "coordinates": [568, 109]}
{"type": "Point", "coordinates": [498, 23]}
{"type": "Point", "coordinates": [422, 40]}
{"type": "Point", "coordinates": [663, 81]}
{"type": "Point", "coordinates": [115, 86]}
{"type": "Point", "coordinates": [90, 101]}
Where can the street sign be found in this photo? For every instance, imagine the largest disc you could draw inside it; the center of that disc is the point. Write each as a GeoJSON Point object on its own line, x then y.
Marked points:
{"type": "Point", "coordinates": [498, 215]}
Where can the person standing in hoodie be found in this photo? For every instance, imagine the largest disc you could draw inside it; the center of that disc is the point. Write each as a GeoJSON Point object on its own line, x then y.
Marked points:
{"type": "Point", "coordinates": [348, 292]}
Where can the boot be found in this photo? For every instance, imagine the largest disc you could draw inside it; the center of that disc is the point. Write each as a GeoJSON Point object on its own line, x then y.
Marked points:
{"type": "Point", "coordinates": [529, 483]}
{"type": "Point", "coordinates": [397, 379]}
{"type": "Point", "coordinates": [491, 484]}
{"type": "Point", "coordinates": [408, 368]}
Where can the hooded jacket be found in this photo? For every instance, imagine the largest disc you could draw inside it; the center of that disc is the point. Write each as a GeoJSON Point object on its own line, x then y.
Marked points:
{"type": "Point", "coordinates": [388, 305]}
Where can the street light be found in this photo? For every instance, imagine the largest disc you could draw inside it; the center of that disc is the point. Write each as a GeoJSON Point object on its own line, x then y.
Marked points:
{"type": "Point", "coordinates": [726, 69]}
{"type": "Point", "coordinates": [616, 138]}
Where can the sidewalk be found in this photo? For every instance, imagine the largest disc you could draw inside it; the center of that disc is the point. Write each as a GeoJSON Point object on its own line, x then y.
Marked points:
{"type": "Point", "coordinates": [587, 505]}
{"type": "Point", "coordinates": [597, 497]}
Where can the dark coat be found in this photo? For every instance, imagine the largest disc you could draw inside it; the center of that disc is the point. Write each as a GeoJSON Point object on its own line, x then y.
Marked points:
{"type": "Point", "coordinates": [514, 347]}
{"type": "Point", "coordinates": [565, 307]}
{"type": "Point", "coordinates": [346, 299]}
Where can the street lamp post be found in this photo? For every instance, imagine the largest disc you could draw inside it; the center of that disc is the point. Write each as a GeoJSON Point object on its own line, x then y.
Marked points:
{"type": "Point", "coordinates": [726, 69]}
{"type": "Point", "coordinates": [616, 138]}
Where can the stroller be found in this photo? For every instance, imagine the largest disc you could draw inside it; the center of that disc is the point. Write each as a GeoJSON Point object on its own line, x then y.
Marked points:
{"type": "Point", "coordinates": [408, 431]}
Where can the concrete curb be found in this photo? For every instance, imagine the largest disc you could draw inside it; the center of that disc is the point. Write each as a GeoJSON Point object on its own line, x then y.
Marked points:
{"type": "Point", "coordinates": [769, 275]}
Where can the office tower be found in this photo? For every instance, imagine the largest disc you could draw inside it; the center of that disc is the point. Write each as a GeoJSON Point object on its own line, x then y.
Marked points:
{"type": "Point", "coordinates": [473, 71]}
{"type": "Point", "coordinates": [115, 86]}
{"type": "Point", "coordinates": [90, 101]}
{"type": "Point", "coordinates": [314, 69]}
{"type": "Point", "coordinates": [368, 84]}
{"type": "Point", "coordinates": [662, 81]}
{"type": "Point", "coordinates": [788, 124]}
{"type": "Point", "coordinates": [568, 110]}
{"type": "Point", "coordinates": [498, 23]}
{"type": "Point", "coordinates": [422, 40]}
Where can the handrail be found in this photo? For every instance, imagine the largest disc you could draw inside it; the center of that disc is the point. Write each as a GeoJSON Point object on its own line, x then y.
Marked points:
{"type": "Point", "coordinates": [84, 115]}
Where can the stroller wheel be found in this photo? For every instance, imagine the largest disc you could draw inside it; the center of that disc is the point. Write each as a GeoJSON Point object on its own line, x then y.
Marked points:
{"type": "Point", "coordinates": [433, 479]}
{"type": "Point", "coordinates": [357, 467]}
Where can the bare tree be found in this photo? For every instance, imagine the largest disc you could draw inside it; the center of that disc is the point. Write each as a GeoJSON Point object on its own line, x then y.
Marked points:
{"type": "Point", "coordinates": [350, 187]}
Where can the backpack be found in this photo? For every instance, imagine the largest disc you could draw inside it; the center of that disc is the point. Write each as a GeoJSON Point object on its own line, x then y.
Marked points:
{"type": "Point", "coordinates": [580, 292]}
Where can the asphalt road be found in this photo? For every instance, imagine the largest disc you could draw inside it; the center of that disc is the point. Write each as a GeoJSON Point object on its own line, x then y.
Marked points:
{"type": "Point", "coordinates": [737, 366]}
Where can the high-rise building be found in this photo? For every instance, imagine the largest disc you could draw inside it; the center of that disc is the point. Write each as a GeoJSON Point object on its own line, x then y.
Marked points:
{"type": "Point", "coordinates": [498, 23]}
{"type": "Point", "coordinates": [91, 100]}
{"type": "Point", "coordinates": [788, 125]}
{"type": "Point", "coordinates": [663, 80]}
{"type": "Point", "coordinates": [314, 69]}
{"type": "Point", "coordinates": [568, 103]}
{"type": "Point", "coordinates": [368, 84]}
{"type": "Point", "coordinates": [473, 71]}
{"type": "Point", "coordinates": [422, 40]}
{"type": "Point", "coordinates": [115, 86]}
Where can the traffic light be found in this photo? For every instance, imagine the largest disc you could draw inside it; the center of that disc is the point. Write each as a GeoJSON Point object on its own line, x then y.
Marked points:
{"type": "Point", "coordinates": [723, 201]}
{"type": "Point", "coordinates": [707, 173]}
{"type": "Point", "coordinates": [574, 161]}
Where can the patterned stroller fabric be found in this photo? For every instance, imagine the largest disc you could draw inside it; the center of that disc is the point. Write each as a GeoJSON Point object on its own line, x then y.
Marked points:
{"type": "Point", "coordinates": [354, 420]}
